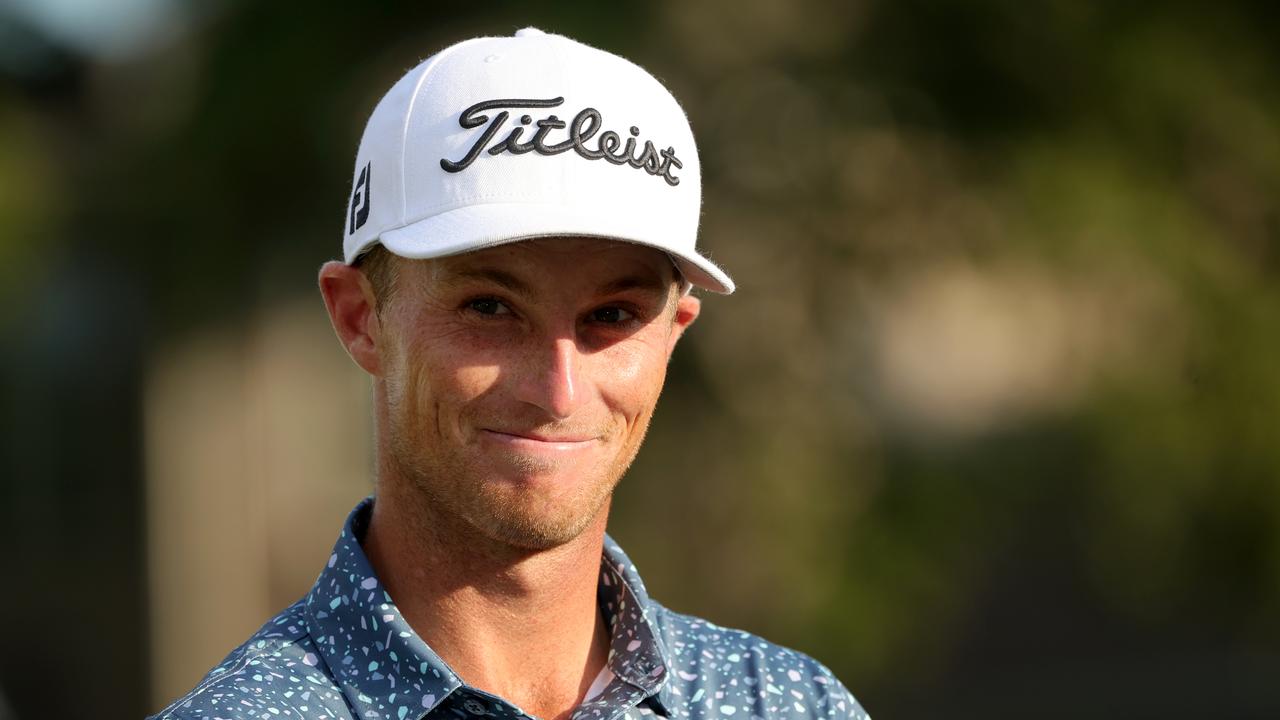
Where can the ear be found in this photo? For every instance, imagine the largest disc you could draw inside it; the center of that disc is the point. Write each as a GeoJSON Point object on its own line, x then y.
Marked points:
{"type": "Point", "coordinates": [349, 298]}
{"type": "Point", "coordinates": [687, 309]}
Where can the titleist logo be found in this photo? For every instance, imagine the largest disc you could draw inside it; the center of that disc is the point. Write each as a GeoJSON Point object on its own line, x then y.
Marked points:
{"type": "Point", "coordinates": [583, 128]}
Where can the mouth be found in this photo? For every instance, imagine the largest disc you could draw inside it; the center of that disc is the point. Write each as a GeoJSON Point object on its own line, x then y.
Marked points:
{"type": "Point", "coordinates": [539, 442]}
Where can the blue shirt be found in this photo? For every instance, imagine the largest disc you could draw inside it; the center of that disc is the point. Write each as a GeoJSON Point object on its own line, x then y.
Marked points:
{"type": "Point", "coordinates": [344, 651]}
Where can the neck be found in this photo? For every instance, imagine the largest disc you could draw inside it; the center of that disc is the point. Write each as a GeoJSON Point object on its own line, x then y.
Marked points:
{"type": "Point", "coordinates": [521, 624]}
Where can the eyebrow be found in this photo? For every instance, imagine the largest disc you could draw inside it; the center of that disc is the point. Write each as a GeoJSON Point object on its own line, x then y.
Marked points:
{"type": "Point", "coordinates": [635, 281]}
{"type": "Point", "coordinates": [505, 280]}
{"type": "Point", "coordinates": [645, 281]}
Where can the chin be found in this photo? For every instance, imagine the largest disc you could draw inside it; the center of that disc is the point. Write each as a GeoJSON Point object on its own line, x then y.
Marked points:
{"type": "Point", "coordinates": [539, 511]}
{"type": "Point", "coordinates": [523, 501]}
{"type": "Point", "coordinates": [517, 527]}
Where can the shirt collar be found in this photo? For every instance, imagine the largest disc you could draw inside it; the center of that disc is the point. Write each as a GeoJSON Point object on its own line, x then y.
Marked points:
{"type": "Point", "coordinates": [636, 651]}
{"type": "Point", "coordinates": [381, 664]}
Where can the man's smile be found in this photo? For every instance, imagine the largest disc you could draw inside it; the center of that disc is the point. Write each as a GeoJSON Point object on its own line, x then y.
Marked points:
{"type": "Point", "coordinates": [539, 442]}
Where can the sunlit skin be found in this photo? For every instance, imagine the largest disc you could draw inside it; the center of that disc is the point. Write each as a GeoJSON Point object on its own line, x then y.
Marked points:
{"type": "Point", "coordinates": [512, 389]}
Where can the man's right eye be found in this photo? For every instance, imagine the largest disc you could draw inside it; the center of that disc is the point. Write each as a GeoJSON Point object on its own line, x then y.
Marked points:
{"type": "Point", "coordinates": [488, 306]}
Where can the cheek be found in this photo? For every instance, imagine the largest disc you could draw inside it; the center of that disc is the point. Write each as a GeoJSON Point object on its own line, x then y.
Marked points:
{"type": "Point", "coordinates": [441, 381]}
{"type": "Point", "coordinates": [408, 396]}
{"type": "Point", "coordinates": [471, 382]}
{"type": "Point", "coordinates": [632, 380]}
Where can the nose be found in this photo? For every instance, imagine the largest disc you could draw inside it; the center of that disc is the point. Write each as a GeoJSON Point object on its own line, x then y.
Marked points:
{"type": "Point", "coordinates": [552, 379]}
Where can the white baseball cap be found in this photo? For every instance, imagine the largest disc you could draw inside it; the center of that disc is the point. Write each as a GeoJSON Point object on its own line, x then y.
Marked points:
{"type": "Point", "coordinates": [498, 139]}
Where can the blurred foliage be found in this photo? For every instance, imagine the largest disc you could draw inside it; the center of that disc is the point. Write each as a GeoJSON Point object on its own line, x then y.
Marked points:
{"type": "Point", "coordinates": [990, 426]}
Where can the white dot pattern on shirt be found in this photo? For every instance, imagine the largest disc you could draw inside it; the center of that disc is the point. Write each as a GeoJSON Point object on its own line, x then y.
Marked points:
{"type": "Point", "coordinates": [344, 652]}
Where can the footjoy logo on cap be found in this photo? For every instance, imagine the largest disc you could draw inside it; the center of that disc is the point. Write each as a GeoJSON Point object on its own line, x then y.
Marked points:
{"type": "Point", "coordinates": [585, 125]}
{"type": "Point", "coordinates": [360, 198]}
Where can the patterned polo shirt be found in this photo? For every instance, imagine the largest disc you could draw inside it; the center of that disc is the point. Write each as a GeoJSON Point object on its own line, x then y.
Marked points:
{"type": "Point", "coordinates": [344, 651]}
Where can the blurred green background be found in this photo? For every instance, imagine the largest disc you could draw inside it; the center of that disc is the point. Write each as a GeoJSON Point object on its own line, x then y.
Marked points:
{"type": "Point", "coordinates": [990, 427]}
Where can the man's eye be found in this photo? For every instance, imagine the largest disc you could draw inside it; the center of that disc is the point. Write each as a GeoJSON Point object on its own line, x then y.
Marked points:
{"type": "Point", "coordinates": [488, 306]}
{"type": "Point", "coordinates": [611, 315]}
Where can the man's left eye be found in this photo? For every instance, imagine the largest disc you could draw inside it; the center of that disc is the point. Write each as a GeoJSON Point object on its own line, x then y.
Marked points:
{"type": "Point", "coordinates": [488, 306]}
{"type": "Point", "coordinates": [611, 315]}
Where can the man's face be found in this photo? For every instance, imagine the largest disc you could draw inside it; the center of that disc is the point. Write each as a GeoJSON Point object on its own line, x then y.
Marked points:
{"type": "Point", "coordinates": [518, 381]}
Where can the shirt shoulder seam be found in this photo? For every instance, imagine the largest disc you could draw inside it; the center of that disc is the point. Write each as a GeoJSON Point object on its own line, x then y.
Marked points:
{"type": "Point", "coordinates": [204, 684]}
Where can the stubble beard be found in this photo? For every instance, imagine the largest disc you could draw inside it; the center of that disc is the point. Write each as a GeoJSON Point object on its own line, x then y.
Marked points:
{"type": "Point", "coordinates": [453, 498]}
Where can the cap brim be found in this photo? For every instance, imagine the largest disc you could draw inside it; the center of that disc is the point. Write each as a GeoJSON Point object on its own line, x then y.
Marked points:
{"type": "Point", "coordinates": [475, 227]}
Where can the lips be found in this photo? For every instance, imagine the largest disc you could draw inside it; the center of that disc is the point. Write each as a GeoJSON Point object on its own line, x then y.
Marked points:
{"type": "Point", "coordinates": [549, 447]}
{"type": "Point", "coordinates": [553, 438]}
{"type": "Point", "coordinates": [550, 439]}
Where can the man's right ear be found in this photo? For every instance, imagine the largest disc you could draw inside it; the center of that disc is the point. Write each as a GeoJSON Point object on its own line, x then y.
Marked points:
{"type": "Point", "coordinates": [352, 307]}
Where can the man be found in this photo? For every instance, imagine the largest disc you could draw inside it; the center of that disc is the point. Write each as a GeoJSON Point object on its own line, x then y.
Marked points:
{"type": "Point", "coordinates": [519, 250]}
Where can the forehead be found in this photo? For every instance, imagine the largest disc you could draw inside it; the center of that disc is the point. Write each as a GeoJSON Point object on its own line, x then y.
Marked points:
{"type": "Point", "coordinates": [564, 261]}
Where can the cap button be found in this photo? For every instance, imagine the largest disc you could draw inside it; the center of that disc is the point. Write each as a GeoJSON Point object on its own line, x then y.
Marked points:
{"type": "Point", "coordinates": [529, 32]}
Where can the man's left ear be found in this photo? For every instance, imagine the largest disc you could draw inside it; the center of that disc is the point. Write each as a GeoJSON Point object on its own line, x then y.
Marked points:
{"type": "Point", "coordinates": [687, 309]}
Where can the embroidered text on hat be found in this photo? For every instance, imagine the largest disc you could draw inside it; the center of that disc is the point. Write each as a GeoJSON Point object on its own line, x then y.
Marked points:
{"type": "Point", "coordinates": [583, 127]}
